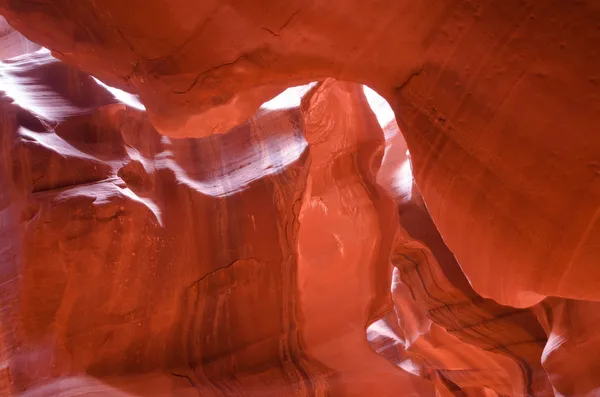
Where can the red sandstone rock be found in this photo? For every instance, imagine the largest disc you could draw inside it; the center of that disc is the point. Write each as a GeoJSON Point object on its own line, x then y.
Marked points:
{"type": "Point", "coordinates": [134, 264]}
{"type": "Point", "coordinates": [346, 227]}
{"type": "Point", "coordinates": [497, 102]}
{"type": "Point", "coordinates": [251, 262]}
{"type": "Point", "coordinates": [468, 342]}
{"type": "Point", "coordinates": [571, 355]}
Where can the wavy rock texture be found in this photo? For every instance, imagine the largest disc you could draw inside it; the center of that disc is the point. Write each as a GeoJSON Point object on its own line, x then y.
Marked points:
{"type": "Point", "coordinates": [223, 243]}
{"type": "Point", "coordinates": [135, 264]}
{"type": "Point", "coordinates": [570, 358]}
{"type": "Point", "coordinates": [442, 328]}
{"type": "Point", "coordinates": [497, 101]}
{"type": "Point", "coordinates": [12, 43]}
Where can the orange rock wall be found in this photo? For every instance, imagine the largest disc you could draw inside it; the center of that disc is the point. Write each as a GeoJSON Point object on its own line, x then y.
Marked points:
{"type": "Point", "coordinates": [221, 245]}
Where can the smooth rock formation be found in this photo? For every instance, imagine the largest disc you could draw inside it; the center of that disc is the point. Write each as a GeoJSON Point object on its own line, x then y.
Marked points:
{"type": "Point", "coordinates": [499, 103]}
{"type": "Point", "coordinates": [571, 354]}
{"type": "Point", "coordinates": [212, 233]}
{"type": "Point", "coordinates": [12, 43]}
{"type": "Point", "coordinates": [459, 339]}
{"type": "Point", "coordinates": [135, 264]}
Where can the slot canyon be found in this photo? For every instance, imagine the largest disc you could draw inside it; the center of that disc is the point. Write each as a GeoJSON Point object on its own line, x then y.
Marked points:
{"type": "Point", "coordinates": [299, 198]}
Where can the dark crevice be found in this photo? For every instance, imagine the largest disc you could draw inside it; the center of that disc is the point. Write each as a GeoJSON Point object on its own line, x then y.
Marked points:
{"type": "Point", "coordinates": [201, 76]}
{"type": "Point", "coordinates": [195, 283]}
{"type": "Point", "coordinates": [192, 383]}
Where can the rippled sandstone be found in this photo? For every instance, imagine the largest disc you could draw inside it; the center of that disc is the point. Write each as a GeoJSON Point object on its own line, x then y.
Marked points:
{"type": "Point", "coordinates": [220, 243]}
{"type": "Point", "coordinates": [497, 102]}
{"type": "Point", "coordinates": [134, 263]}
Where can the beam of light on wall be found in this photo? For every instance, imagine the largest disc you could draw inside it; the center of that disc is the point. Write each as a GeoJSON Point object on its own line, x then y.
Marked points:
{"type": "Point", "coordinates": [289, 98]}
{"type": "Point", "coordinates": [28, 91]}
{"type": "Point", "coordinates": [380, 329]}
{"type": "Point", "coordinates": [125, 97]}
{"type": "Point", "coordinates": [396, 165]}
{"type": "Point", "coordinates": [12, 43]}
{"type": "Point", "coordinates": [403, 179]}
{"type": "Point", "coordinates": [281, 152]}
{"type": "Point", "coordinates": [383, 111]}
{"type": "Point", "coordinates": [381, 338]}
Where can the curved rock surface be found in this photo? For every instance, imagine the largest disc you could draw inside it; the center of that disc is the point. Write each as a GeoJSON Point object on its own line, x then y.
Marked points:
{"type": "Point", "coordinates": [12, 43]}
{"type": "Point", "coordinates": [135, 264]}
{"type": "Point", "coordinates": [203, 238]}
{"type": "Point", "coordinates": [497, 101]}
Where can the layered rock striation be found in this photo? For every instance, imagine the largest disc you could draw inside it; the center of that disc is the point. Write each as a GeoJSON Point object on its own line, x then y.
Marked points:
{"type": "Point", "coordinates": [219, 234]}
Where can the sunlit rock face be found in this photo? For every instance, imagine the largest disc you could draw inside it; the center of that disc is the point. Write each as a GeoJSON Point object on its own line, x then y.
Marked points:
{"type": "Point", "coordinates": [498, 102]}
{"type": "Point", "coordinates": [135, 264]}
{"type": "Point", "coordinates": [12, 43]}
{"type": "Point", "coordinates": [217, 234]}
{"type": "Point", "coordinates": [441, 328]}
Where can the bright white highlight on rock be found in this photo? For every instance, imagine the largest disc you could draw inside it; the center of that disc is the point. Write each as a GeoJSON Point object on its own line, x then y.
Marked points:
{"type": "Point", "coordinates": [282, 152]}
{"type": "Point", "coordinates": [125, 97]}
{"type": "Point", "coordinates": [383, 111]}
{"type": "Point", "coordinates": [403, 179]}
{"type": "Point", "coordinates": [28, 93]}
{"type": "Point", "coordinates": [289, 98]}
{"type": "Point", "coordinates": [151, 205]}
{"type": "Point", "coordinates": [56, 144]}
{"type": "Point", "coordinates": [380, 329]}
